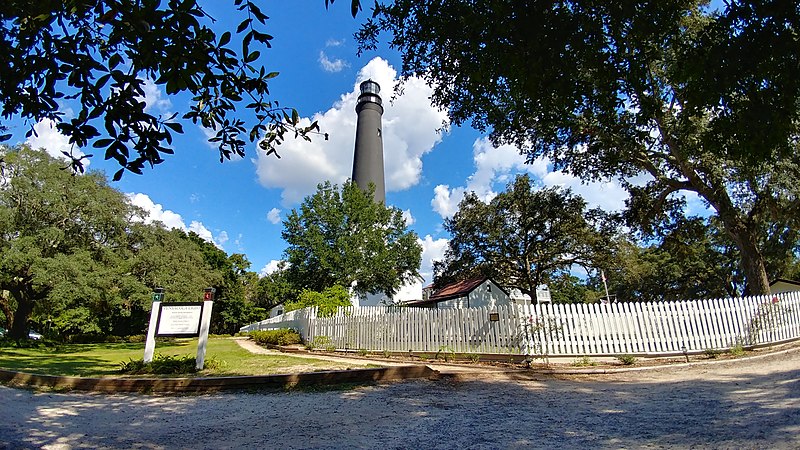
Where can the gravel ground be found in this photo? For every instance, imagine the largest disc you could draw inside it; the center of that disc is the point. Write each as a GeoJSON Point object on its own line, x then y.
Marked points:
{"type": "Point", "coordinates": [752, 403]}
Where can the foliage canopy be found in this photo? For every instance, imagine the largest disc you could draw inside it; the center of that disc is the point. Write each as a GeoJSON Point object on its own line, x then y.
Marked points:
{"type": "Point", "coordinates": [523, 237]}
{"type": "Point", "coordinates": [98, 54]}
{"type": "Point", "coordinates": [76, 258]}
{"type": "Point", "coordinates": [343, 237]}
{"type": "Point", "coordinates": [687, 98]}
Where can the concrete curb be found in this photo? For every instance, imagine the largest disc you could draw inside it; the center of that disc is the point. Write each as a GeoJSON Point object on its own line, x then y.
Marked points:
{"type": "Point", "coordinates": [215, 384]}
{"type": "Point", "coordinates": [534, 374]}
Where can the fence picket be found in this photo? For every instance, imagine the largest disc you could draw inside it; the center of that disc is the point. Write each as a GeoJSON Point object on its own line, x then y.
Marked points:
{"type": "Point", "coordinates": [574, 329]}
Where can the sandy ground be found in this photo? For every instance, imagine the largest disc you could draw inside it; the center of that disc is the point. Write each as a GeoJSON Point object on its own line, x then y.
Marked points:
{"type": "Point", "coordinates": [753, 403]}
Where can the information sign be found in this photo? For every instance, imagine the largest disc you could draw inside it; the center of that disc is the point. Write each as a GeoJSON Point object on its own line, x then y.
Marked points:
{"type": "Point", "coordinates": [179, 319]}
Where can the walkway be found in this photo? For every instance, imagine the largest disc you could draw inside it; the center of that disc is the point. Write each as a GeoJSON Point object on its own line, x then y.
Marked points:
{"type": "Point", "coordinates": [751, 403]}
{"type": "Point", "coordinates": [461, 370]}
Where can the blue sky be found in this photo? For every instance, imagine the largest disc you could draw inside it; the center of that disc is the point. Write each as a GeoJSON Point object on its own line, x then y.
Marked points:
{"type": "Point", "coordinates": [239, 204]}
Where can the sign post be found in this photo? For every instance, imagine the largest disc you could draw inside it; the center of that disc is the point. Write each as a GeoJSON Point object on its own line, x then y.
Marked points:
{"type": "Point", "coordinates": [150, 343]}
{"type": "Point", "coordinates": [205, 322]}
{"type": "Point", "coordinates": [182, 319]}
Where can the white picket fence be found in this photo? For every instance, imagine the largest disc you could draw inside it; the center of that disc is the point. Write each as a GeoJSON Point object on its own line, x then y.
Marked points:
{"type": "Point", "coordinates": [555, 330]}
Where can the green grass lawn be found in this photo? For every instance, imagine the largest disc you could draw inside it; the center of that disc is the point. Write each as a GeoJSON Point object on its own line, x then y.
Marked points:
{"type": "Point", "coordinates": [99, 360]}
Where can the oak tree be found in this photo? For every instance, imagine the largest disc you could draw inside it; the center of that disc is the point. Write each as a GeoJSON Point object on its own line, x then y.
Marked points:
{"type": "Point", "coordinates": [523, 237]}
{"type": "Point", "coordinates": [691, 98]}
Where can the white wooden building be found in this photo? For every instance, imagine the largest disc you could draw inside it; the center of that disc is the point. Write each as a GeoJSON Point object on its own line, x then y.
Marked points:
{"type": "Point", "coordinates": [782, 285]}
{"type": "Point", "coordinates": [471, 293]}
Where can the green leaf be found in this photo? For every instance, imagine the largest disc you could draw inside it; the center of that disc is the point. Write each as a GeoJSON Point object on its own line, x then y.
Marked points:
{"type": "Point", "coordinates": [252, 56]}
{"type": "Point", "coordinates": [224, 39]}
{"type": "Point", "coordinates": [102, 143]}
{"type": "Point", "coordinates": [174, 126]}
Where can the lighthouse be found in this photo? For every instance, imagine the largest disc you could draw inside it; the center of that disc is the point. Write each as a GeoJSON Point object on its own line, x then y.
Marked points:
{"type": "Point", "coordinates": [368, 156]}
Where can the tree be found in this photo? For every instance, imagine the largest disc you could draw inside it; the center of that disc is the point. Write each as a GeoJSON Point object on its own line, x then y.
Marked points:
{"type": "Point", "coordinates": [328, 301]}
{"type": "Point", "coordinates": [691, 261]}
{"type": "Point", "coordinates": [99, 53]}
{"type": "Point", "coordinates": [696, 100]}
{"type": "Point", "coordinates": [523, 237]}
{"type": "Point", "coordinates": [232, 307]}
{"type": "Point", "coordinates": [75, 257]}
{"type": "Point", "coordinates": [343, 237]}
{"type": "Point", "coordinates": [274, 289]}
{"type": "Point", "coordinates": [52, 226]}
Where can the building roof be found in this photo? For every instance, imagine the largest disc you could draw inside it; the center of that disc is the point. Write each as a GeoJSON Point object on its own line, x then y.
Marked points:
{"type": "Point", "coordinates": [455, 290]}
{"type": "Point", "coordinates": [784, 280]}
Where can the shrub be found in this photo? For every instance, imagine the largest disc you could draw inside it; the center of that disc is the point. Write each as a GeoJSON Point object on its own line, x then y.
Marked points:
{"type": "Point", "coordinates": [362, 352]}
{"type": "Point", "coordinates": [321, 342]}
{"type": "Point", "coordinates": [136, 338]}
{"type": "Point", "coordinates": [283, 336]}
{"type": "Point", "coordinates": [712, 353]}
{"type": "Point", "coordinates": [446, 353]}
{"type": "Point", "coordinates": [737, 350]}
{"type": "Point", "coordinates": [627, 360]}
{"type": "Point", "coordinates": [474, 357]}
{"type": "Point", "coordinates": [584, 361]}
{"type": "Point", "coordinates": [166, 365]}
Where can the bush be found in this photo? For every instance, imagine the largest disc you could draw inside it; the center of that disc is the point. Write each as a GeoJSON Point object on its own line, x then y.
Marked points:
{"type": "Point", "coordinates": [446, 353]}
{"type": "Point", "coordinates": [136, 338]}
{"type": "Point", "coordinates": [166, 365]}
{"type": "Point", "coordinates": [737, 350]}
{"type": "Point", "coordinates": [627, 360]}
{"type": "Point", "coordinates": [321, 342]}
{"type": "Point", "coordinates": [584, 361]}
{"type": "Point", "coordinates": [284, 336]}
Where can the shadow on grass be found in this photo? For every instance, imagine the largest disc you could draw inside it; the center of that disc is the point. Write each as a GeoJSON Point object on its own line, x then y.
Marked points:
{"type": "Point", "coordinates": [79, 359]}
{"type": "Point", "coordinates": [69, 365]}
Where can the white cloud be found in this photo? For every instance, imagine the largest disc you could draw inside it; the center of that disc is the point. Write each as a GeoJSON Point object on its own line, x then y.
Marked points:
{"type": "Point", "coordinates": [153, 98]}
{"type": "Point", "coordinates": [274, 215]}
{"type": "Point", "coordinates": [495, 167]}
{"type": "Point", "coordinates": [271, 267]}
{"type": "Point", "coordinates": [334, 42]}
{"type": "Point", "coordinates": [432, 250]}
{"type": "Point", "coordinates": [155, 212]}
{"type": "Point", "coordinates": [46, 136]}
{"type": "Point", "coordinates": [409, 131]}
{"type": "Point", "coordinates": [408, 217]}
{"type": "Point", "coordinates": [608, 195]}
{"type": "Point", "coordinates": [239, 244]}
{"type": "Point", "coordinates": [199, 229]}
{"type": "Point", "coordinates": [332, 65]}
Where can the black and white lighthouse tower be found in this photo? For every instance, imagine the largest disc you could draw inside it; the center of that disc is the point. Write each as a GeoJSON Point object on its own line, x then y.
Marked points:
{"type": "Point", "coordinates": [368, 157]}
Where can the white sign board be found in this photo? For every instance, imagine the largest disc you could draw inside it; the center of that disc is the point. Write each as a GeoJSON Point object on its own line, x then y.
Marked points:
{"type": "Point", "coordinates": [179, 319]}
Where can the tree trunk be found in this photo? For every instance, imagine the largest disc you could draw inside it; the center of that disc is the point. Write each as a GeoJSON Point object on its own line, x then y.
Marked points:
{"type": "Point", "coordinates": [750, 256]}
{"type": "Point", "coordinates": [5, 307]}
{"type": "Point", "coordinates": [752, 262]}
{"type": "Point", "coordinates": [19, 326]}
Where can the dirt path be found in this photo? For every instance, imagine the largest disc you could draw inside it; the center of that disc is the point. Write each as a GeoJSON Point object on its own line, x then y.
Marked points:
{"type": "Point", "coordinates": [443, 368]}
{"type": "Point", "coordinates": [738, 404]}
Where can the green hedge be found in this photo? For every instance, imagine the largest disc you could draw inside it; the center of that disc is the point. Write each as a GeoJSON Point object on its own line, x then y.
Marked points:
{"type": "Point", "coordinates": [284, 336]}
